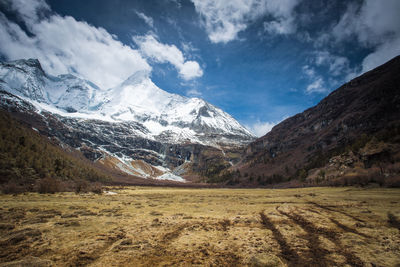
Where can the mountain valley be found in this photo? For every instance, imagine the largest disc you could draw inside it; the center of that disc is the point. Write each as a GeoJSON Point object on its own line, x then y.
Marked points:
{"type": "Point", "coordinates": [139, 130]}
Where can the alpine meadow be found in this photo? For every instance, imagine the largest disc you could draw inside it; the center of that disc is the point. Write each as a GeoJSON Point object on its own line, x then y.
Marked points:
{"type": "Point", "coordinates": [199, 133]}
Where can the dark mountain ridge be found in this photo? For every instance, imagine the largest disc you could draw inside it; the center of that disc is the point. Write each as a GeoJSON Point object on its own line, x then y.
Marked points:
{"type": "Point", "coordinates": [366, 107]}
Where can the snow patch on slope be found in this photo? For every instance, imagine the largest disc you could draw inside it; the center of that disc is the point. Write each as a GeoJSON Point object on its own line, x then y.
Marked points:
{"type": "Point", "coordinates": [171, 176]}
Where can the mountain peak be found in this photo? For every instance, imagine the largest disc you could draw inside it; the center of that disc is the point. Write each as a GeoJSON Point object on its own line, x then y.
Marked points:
{"type": "Point", "coordinates": [163, 115]}
{"type": "Point", "coordinates": [34, 62]}
{"type": "Point", "coordinates": [137, 78]}
{"type": "Point", "coordinates": [31, 62]}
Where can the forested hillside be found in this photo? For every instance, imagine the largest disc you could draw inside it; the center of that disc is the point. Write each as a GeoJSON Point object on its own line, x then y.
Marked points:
{"type": "Point", "coordinates": [30, 162]}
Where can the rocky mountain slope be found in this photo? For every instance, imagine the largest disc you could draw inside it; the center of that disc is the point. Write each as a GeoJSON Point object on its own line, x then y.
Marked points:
{"type": "Point", "coordinates": [361, 118]}
{"type": "Point", "coordinates": [135, 127]}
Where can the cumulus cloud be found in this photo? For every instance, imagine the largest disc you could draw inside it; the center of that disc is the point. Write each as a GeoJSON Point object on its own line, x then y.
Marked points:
{"type": "Point", "coordinates": [163, 53]}
{"type": "Point", "coordinates": [28, 11]}
{"type": "Point", "coordinates": [224, 19]}
{"type": "Point", "coordinates": [260, 128]}
{"type": "Point", "coordinates": [149, 20]}
{"type": "Point", "coordinates": [282, 12]}
{"type": "Point", "coordinates": [375, 24]}
{"type": "Point", "coordinates": [65, 45]}
{"type": "Point", "coordinates": [382, 53]}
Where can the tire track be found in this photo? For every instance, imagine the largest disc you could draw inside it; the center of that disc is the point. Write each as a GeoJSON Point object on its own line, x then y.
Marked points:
{"type": "Point", "coordinates": [348, 229]}
{"type": "Point", "coordinates": [313, 234]}
{"type": "Point", "coordinates": [86, 256]}
{"type": "Point", "coordinates": [290, 256]}
{"type": "Point", "coordinates": [334, 210]}
{"type": "Point", "coordinates": [163, 251]}
{"type": "Point", "coordinates": [345, 228]}
{"type": "Point", "coordinates": [316, 256]}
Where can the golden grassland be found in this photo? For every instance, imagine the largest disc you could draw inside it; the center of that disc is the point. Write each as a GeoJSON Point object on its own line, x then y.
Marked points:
{"type": "Point", "coordinates": [144, 226]}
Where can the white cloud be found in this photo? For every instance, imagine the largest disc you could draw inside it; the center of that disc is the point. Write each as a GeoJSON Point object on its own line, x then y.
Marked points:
{"type": "Point", "coordinates": [370, 22]}
{"type": "Point", "coordinates": [29, 11]}
{"type": "Point", "coordinates": [317, 84]}
{"type": "Point", "coordinates": [188, 47]}
{"type": "Point", "coordinates": [260, 128]}
{"type": "Point", "coordinates": [224, 19]}
{"type": "Point", "coordinates": [163, 53]}
{"type": "Point", "coordinates": [336, 64]}
{"type": "Point", "coordinates": [383, 53]}
{"type": "Point", "coordinates": [284, 26]}
{"type": "Point", "coordinates": [375, 24]}
{"type": "Point", "coordinates": [309, 71]}
{"type": "Point", "coordinates": [176, 2]}
{"type": "Point", "coordinates": [149, 20]}
{"type": "Point", "coordinates": [190, 70]}
{"type": "Point", "coordinates": [193, 93]}
{"type": "Point", "coordinates": [337, 68]}
{"type": "Point", "coordinates": [64, 45]}
{"type": "Point", "coordinates": [282, 11]}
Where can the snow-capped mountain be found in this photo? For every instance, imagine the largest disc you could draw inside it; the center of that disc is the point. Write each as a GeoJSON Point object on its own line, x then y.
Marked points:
{"type": "Point", "coordinates": [135, 120]}
{"type": "Point", "coordinates": [67, 92]}
{"type": "Point", "coordinates": [166, 117]}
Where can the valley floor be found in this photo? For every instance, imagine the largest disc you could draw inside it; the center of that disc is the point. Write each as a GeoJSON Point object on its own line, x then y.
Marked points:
{"type": "Point", "coordinates": [141, 226]}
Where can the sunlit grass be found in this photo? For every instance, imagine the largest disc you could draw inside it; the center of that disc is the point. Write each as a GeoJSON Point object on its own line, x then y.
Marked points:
{"type": "Point", "coordinates": [156, 226]}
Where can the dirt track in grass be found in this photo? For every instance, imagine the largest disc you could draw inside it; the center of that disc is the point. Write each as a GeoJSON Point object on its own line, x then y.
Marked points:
{"type": "Point", "coordinates": [143, 226]}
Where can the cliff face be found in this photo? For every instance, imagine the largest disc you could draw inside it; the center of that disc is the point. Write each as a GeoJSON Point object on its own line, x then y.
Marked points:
{"type": "Point", "coordinates": [365, 106]}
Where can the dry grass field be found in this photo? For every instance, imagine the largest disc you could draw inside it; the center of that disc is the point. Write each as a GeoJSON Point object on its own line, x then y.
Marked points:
{"type": "Point", "coordinates": [202, 227]}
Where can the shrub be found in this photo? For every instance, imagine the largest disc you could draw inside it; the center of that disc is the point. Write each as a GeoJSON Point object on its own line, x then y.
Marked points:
{"type": "Point", "coordinates": [393, 181]}
{"type": "Point", "coordinates": [48, 186]}
{"type": "Point", "coordinates": [97, 188]}
{"type": "Point", "coordinates": [12, 188]}
{"type": "Point", "coordinates": [81, 186]}
{"type": "Point", "coordinates": [302, 174]}
{"type": "Point", "coordinates": [393, 220]}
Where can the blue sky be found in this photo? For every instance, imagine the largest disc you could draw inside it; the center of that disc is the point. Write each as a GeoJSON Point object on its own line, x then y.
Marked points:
{"type": "Point", "coordinates": [259, 60]}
